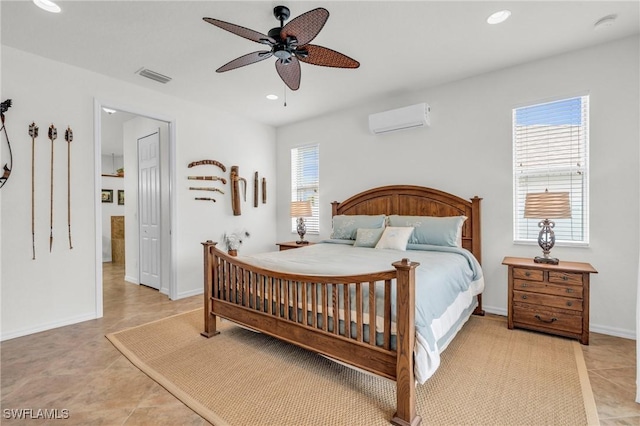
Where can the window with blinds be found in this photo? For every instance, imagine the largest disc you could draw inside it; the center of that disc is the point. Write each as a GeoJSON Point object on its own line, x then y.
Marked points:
{"type": "Point", "coordinates": [550, 152]}
{"type": "Point", "coordinates": [305, 183]}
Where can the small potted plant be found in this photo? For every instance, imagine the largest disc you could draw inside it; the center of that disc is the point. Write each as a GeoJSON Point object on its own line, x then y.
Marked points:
{"type": "Point", "coordinates": [234, 240]}
{"type": "Point", "coordinates": [120, 171]}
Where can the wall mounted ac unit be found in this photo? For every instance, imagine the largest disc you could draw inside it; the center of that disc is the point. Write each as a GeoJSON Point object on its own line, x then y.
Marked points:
{"type": "Point", "coordinates": [400, 119]}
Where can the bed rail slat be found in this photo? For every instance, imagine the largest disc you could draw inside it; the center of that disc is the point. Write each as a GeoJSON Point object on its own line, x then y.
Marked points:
{"type": "Point", "coordinates": [294, 289]}
{"type": "Point", "coordinates": [287, 298]}
{"type": "Point", "coordinates": [314, 305]}
{"type": "Point", "coordinates": [270, 295]}
{"type": "Point", "coordinates": [325, 307]}
{"type": "Point", "coordinates": [303, 288]}
{"type": "Point", "coordinates": [372, 313]}
{"type": "Point", "coordinates": [359, 325]}
{"type": "Point", "coordinates": [336, 308]}
{"type": "Point", "coordinates": [387, 314]}
{"type": "Point", "coordinates": [347, 310]}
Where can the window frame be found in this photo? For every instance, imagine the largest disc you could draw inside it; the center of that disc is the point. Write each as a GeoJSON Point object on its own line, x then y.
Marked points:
{"type": "Point", "coordinates": [580, 202]}
{"type": "Point", "coordinates": [300, 192]}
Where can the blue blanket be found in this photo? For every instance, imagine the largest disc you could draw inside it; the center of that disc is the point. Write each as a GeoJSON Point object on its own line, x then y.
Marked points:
{"type": "Point", "coordinates": [447, 280]}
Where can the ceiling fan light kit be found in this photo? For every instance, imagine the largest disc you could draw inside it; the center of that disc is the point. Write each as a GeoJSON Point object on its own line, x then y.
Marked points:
{"type": "Point", "coordinates": [289, 43]}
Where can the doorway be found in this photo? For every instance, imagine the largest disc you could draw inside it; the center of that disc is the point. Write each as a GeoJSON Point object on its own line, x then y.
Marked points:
{"type": "Point", "coordinates": [163, 270]}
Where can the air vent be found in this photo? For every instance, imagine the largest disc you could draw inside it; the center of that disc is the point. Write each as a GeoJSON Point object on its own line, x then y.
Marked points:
{"type": "Point", "coordinates": [154, 75]}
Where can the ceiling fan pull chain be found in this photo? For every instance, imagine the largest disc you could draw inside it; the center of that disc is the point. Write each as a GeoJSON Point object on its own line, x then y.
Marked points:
{"type": "Point", "coordinates": [285, 95]}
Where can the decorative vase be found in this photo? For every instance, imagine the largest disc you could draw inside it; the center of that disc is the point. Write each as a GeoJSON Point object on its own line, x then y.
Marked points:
{"type": "Point", "coordinates": [232, 252]}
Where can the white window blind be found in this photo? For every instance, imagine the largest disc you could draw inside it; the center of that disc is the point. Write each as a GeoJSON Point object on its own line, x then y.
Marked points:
{"type": "Point", "coordinates": [550, 152]}
{"type": "Point", "coordinates": [305, 183]}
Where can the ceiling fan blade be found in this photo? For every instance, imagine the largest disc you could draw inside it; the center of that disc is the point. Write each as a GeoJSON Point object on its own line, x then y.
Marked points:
{"type": "Point", "coordinates": [306, 26]}
{"type": "Point", "coordinates": [318, 55]}
{"type": "Point", "coordinates": [289, 72]}
{"type": "Point", "coordinates": [247, 59]}
{"type": "Point", "coordinates": [241, 31]}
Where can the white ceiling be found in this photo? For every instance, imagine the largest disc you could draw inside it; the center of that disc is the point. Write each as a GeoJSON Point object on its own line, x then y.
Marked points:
{"type": "Point", "coordinates": [402, 46]}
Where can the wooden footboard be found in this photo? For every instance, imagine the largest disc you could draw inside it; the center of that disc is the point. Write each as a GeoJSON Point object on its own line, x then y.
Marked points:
{"type": "Point", "coordinates": [315, 312]}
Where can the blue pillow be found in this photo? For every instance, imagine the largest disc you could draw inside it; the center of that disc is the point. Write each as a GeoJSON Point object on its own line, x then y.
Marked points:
{"type": "Point", "coordinates": [368, 237]}
{"type": "Point", "coordinates": [345, 227]}
{"type": "Point", "coordinates": [438, 231]}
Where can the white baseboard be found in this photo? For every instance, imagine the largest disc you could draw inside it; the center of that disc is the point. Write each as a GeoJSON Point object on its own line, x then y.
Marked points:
{"type": "Point", "coordinates": [494, 310]}
{"type": "Point", "coordinates": [47, 326]}
{"type": "Point", "coordinates": [131, 280]}
{"type": "Point", "coordinates": [593, 328]}
{"type": "Point", "coordinates": [190, 293]}
{"type": "Point", "coordinates": [611, 331]}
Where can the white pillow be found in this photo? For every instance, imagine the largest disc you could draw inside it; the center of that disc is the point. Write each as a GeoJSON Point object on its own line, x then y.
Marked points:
{"type": "Point", "coordinates": [395, 237]}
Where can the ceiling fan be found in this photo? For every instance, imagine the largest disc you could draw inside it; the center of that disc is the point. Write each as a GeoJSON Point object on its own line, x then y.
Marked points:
{"type": "Point", "coordinates": [289, 44]}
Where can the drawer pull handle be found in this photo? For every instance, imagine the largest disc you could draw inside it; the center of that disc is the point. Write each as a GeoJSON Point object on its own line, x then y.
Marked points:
{"type": "Point", "coordinates": [524, 296]}
{"type": "Point", "coordinates": [565, 278]}
{"type": "Point", "coordinates": [524, 285]}
{"type": "Point", "coordinates": [553, 319]}
{"type": "Point", "coordinates": [569, 290]}
{"type": "Point", "coordinates": [569, 303]}
{"type": "Point", "coordinates": [527, 274]}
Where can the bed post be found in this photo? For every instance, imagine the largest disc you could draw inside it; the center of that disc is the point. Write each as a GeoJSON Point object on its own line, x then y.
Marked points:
{"type": "Point", "coordinates": [405, 380]}
{"type": "Point", "coordinates": [476, 245]}
{"type": "Point", "coordinates": [209, 272]}
{"type": "Point", "coordinates": [476, 248]}
{"type": "Point", "coordinates": [334, 208]}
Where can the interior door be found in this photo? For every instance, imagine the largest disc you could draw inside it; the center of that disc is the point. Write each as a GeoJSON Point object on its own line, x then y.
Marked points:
{"type": "Point", "coordinates": [149, 208]}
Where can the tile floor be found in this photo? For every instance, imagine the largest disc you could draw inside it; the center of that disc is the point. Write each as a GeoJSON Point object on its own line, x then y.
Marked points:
{"type": "Point", "coordinates": [76, 368]}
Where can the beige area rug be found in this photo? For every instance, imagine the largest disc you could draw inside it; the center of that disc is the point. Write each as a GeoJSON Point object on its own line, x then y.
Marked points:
{"type": "Point", "coordinates": [489, 376]}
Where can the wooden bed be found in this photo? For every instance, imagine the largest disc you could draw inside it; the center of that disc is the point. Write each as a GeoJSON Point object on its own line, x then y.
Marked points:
{"type": "Point", "coordinates": [232, 290]}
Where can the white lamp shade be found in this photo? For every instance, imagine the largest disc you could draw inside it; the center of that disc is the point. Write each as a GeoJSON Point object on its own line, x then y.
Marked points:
{"type": "Point", "coordinates": [547, 205]}
{"type": "Point", "coordinates": [301, 209]}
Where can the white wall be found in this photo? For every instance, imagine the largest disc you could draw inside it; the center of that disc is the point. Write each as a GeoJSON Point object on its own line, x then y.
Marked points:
{"type": "Point", "coordinates": [467, 151]}
{"type": "Point", "coordinates": [59, 288]}
{"type": "Point", "coordinates": [111, 163]}
{"type": "Point", "coordinates": [108, 210]}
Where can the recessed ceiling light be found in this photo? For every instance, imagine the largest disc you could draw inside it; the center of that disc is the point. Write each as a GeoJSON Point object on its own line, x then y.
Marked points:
{"type": "Point", "coordinates": [605, 22]}
{"type": "Point", "coordinates": [272, 97]}
{"type": "Point", "coordinates": [499, 17]}
{"type": "Point", "coordinates": [47, 5]}
{"type": "Point", "coordinates": [109, 110]}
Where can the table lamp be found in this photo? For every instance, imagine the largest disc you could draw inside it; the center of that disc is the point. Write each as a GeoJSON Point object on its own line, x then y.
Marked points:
{"type": "Point", "coordinates": [301, 209]}
{"type": "Point", "coordinates": [547, 205]}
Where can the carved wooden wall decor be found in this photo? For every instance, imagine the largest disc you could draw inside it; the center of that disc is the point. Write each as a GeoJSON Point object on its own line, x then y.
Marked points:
{"type": "Point", "coordinates": [235, 179]}
{"type": "Point", "coordinates": [208, 162]}
{"type": "Point", "coordinates": [264, 190]}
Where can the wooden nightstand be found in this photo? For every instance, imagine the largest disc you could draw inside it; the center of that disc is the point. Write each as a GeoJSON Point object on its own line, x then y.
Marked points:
{"type": "Point", "coordinates": [291, 245]}
{"type": "Point", "coordinates": [550, 298]}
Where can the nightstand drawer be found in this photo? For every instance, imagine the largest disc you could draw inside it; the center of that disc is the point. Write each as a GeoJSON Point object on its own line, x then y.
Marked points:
{"type": "Point", "coordinates": [555, 319]}
{"type": "Point", "coordinates": [565, 278]}
{"type": "Point", "coordinates": [547, 300]}
{"type": "Point", "coordinates": [545, 288]}
{"type": "Point", "coordinates": [528, 274]}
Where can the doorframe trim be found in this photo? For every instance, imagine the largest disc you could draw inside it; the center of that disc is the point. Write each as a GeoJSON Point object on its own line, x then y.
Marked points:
{"type": "Point", "coordinates": [98, 104]}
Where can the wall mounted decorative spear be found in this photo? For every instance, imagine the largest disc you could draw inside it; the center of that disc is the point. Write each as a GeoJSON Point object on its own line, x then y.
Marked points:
{"type": "Point", "coordinates": [33, 132]}
{"type": "Point", "coordinates": [53, 135]}
{"type": "Point", "coordinates": [68, 136]}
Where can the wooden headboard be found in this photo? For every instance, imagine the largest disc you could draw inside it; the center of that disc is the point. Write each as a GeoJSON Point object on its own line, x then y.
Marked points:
{"type": "Point", "coordinates": [410, 200]}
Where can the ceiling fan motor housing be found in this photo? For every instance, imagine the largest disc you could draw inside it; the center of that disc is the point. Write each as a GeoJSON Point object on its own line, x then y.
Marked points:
{"type": "Point", "coordinates": [281, 13]}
